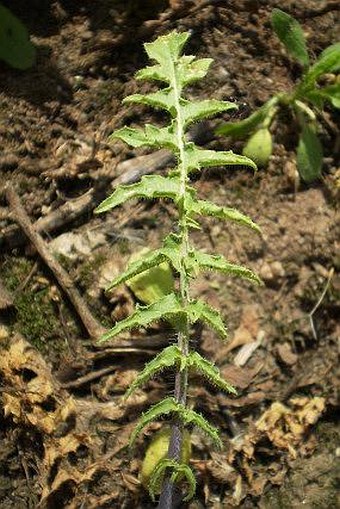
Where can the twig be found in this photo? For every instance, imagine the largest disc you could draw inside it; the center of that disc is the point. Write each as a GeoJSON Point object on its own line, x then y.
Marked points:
{"type": "Point", "coordinates": [317, 305]}
{"type": "Point", "coordinates": [93, 327]}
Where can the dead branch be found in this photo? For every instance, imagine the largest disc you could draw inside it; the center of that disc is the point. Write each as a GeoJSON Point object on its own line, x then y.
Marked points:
{"type": "Point", "coordinates": [93, 327]}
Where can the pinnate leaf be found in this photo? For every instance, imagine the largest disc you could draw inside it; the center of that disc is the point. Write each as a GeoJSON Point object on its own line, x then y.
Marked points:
{"type": "Point", "coordinates": [150, 186]}
{"type": "Point", "coordinates": [291, 35]}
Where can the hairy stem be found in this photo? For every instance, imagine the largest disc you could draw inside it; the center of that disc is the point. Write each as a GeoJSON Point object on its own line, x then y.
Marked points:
{"type": "Point", "coordinates": [168, 495]}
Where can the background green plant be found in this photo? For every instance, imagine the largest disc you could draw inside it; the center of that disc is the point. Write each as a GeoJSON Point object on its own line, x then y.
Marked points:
{"type": "Point", "coordinates": [305, 103]}
{"type": "Point", "coordinates": [177, 71]}
{"type": "Point", "coordinates": [16, 48]}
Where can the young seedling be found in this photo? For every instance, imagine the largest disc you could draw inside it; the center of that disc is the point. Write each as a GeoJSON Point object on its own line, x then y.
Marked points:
{"type": "Point", "coordinates": [305, 102]}
{"type": "Point", "coordinates": [178, 307]}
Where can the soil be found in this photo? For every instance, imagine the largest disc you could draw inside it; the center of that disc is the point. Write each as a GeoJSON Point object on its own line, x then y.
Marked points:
{"type": "Point", "coordinates": [64, 430]}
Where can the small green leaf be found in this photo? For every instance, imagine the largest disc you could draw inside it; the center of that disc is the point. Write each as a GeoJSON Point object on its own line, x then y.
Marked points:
{"type": "Point", "coordinates": [309, 154]}
{"type": "Point", "coordinates": [206, 208]}
{"type": "Point", "coordinates": [156, 452]}
{"type": "Point", "coordinates": [242, 128]}
{"type": "Point", "coordinates": [259, 147]}
{"type": "Point", "coordinates": [16, 48]}
{"type": "Point", "coordinates": [170, 356]}
{"type": "Point", "coordinates": [180, 470]}
{"type": "Point", "coordinates": [153, 72]}
{"type": "Point", "coordinates": [164, 407]}
{"type": "Point", "coordinates": [196, 158]}
{"type": "Point", "coordinates": [167, 48]}
{"type": "Point", "coordinates": [209, 371]}
{"type": "Point", "coordinates": [328, 62]}
{"type": "Point", "coordinates": [150, 186]}
{"type": "Point", "coordinates": [194, 111]}
{"type": "Point", "coordinates": [163, 99]}
{"type": "Point", "coordinates": [190, 417]}
{"type": "Point", "coordinates": [164, 309]}
{"type": "Point", "coordinates": [189, 70]}
{"type": "Point", "coordinates": [291, 35]}
{"type": "Point", "coordinates": [199, 260]}
{"type": "Point", "coordinates": [200, 310]}
{"type": "Point", "coordinates": [330, 93]}
{"type": "Point", "coordinates": [151, 136]}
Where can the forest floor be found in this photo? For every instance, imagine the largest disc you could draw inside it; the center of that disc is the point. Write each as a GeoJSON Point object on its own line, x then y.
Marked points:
{"type": "Point", "coordinates": [63, 428]}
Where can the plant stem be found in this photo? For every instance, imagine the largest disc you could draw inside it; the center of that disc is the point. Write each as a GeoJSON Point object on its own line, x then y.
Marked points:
{"type": "Point", "coordinates": [170, 495]}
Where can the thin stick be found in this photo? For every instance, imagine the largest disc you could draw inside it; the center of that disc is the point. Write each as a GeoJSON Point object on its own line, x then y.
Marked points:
{"type": "Point", "coordinates": [317, 305]}
{"type": "Point", "coordinates": [93, 327]}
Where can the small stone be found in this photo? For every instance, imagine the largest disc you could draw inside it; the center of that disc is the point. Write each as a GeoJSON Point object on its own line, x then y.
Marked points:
{"type": "Point", "coordinates": [277, 269]}
{"type": "Point", "coordinates": [266, 273]}
{"type": "Point", "coordinates": [286, 355]}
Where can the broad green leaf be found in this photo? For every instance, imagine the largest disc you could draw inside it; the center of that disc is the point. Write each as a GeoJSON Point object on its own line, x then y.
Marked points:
{"type": "Point", "coordinates": [170, 356]}
{"type": "Point", "coordinates": [151, 136]}
{"type": "Point", "coordinates": [200, 310]}
{"type": "Point", "coordinates": [206, 208]}
{"type": "Point", "coordinates": [198, 260]}
{"type": "Point", "coordinates": [166, 308]}
{"type": "Point", "coordinates": [291, 35]}
{"type": "Point", "coordinates": [259, 147]}
{"type": "Point", "coordinates": [163, 99]}
{"type": "Point", "coordinates": [192, 111]}
{"type": "Point", "coordinates": [209, 371]}
{"type": "Point", "coordinates": [328, 62]}
{"type": "Point", "coordinates": [190, 417]}
{"type": "Point", "coordinates": [180, 471]}
{"type": "Point", "coordinates": [309, 154]}
{"type": "Point", "coordinates": [242, 128]}
{"type": "Point", "coordinates": [16, 48]}
{"type": "Point", "coordinates": [197, 158]}
{"type": "Point", "coordinates": [164, 407]}
{"type": "Point", "coordinates": [150, 186]}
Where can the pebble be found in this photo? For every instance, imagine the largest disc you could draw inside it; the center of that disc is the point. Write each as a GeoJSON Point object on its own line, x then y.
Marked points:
{"type": "Point", "coordinates": [4, 333]}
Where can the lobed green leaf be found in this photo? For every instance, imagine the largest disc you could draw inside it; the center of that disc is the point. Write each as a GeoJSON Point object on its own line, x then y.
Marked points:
{"type": "Point", "coordinates": [200, 310]}
{"type": "Point", "coordinates": [163, 99]}
{"type": "Point", "coordinates": [206, 208]}
{"type": "Point", "coordinates": [151, 136]}
{"type": "Point", "coordinates": [167, 48]}
{"type": "Point", "coordinates": [290, 33]}
{"type": "Point", "coordinates": [170, 356]}
{"type": "Point", "coordinates": [192, 111]}
{"type": "Point", "coordinates": [190, 417]}
{"type": "Point", "coordinates": [164, 407]}
{"type": "Point", "coordinates": [164, 309]}
{"type": "Point", "coordinates": [199, 260]}
{"type": "Point", "coordinates": [209, 371]}
{"type": "Point", "coordinates": [328, 62]}
{"type": "Point", "coordinates": [196, 158]}
{"type": "Point", "coordinates": [188, 70]}
{"type": "Point", "coordinates": [150, 186]}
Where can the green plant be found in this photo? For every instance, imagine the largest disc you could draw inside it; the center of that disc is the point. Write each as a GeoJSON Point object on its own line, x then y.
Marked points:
{"type": "Point", "coordinates": [304, 102]}
{"type": "Point", "coordinates": [15, 47]}
{"type": "Point", "coordinates": [178, 307]}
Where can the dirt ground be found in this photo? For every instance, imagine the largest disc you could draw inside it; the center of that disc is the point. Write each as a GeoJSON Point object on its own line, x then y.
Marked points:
{"type": "Point", "coordinates": [63, 427]}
